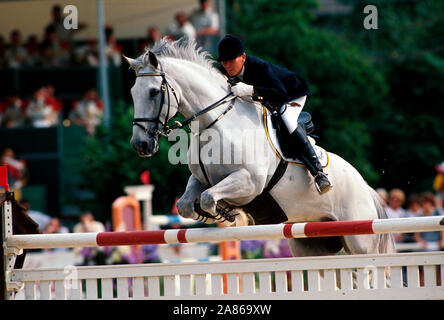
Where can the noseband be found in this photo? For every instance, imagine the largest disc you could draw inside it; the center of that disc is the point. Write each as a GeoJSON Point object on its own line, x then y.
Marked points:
{"type": "Point", "coordinates": [165, 87]}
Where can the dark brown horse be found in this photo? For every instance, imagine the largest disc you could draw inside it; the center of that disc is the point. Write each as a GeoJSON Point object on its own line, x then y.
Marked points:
{"type": "Point", "coordinates": [22, 224]}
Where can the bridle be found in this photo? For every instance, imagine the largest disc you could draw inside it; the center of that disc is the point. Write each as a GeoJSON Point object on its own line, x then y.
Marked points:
{"type": "Point", "coordinates": [165, 87]}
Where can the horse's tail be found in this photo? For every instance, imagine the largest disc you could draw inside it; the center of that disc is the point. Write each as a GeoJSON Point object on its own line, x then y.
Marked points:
{"type": "Point", "coordinates": [386, 242]}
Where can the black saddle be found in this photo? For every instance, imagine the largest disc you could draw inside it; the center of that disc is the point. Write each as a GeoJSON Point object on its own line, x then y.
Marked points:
{"type": "Point", "coordinates": [304, 121]}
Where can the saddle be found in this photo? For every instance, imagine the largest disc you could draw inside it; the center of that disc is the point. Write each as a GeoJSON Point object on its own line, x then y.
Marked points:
{"type": "Point", "coordinates": [279, 138]}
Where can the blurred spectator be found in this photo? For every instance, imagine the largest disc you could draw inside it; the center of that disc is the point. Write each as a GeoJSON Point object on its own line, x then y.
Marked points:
{"type": "Point", "coordinates": [395, 201]}
{"type": "Point", "coordinates": [87, 112]}
{"type": "Point", "coordinates": [413, 210]}
{"type": "Point", "coordinates": [13, 115]}
{"type": "Point", "coordinates": [32, 46]}
{"type": "Point", "coordinates": [394, 209]}
{"type": "Point", "coordinates": [430, 241]}
{"type": "Point", "coordinates": [206, 23]}
{"type": "Point", "coordinates": [152, 36]}
{"type": "Point", "coordinates": [65, 35]}
{"type": "Point", "coordinates": [383, 194]}
{"type": "Point", "coordinates": [181, 27]}
{"type": "Point", "coordinates": [113, 51]}
{"type": "Point", "coordinates": [16, 54]}
{"type": "Point", "coordinates": [41, 218]}
{"type": "Point", "coordinates": [3, 61]}
{"type": "Point", "coordinates": [88, 224]}
{"type": "Point", "coordinates": [87, 54]}
{"type": "Point", "coordinates": [51, 99]}
{"type": "Point", "coordinates": [17, 169]}
{"type": "Point", "coordinates": [40, 111]}
{"type": "Point", "coordinates": [54, 226]}
{"type": "Point", "coordinates": [53, 52]}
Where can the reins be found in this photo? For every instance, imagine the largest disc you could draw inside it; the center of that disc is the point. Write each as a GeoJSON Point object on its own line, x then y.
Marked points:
{"type": "Point", "coordinates": [165, 130]}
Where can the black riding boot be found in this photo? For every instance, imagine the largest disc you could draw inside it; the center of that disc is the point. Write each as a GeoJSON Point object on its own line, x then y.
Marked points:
{"type": "Point", "coordinates": [308, 156]}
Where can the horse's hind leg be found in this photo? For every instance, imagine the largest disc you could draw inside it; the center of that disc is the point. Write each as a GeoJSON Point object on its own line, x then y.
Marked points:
{"type": "Point", "coordinates": [361, 244]}
{"type": "Point", "coordinates": [368, 244]}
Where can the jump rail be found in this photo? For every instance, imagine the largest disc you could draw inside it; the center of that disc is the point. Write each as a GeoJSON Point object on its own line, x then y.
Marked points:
{"type": "Point", "coordinates": [278, 231]}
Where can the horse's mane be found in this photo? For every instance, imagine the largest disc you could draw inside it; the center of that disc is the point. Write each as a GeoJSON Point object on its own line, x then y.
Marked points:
{"type": "Point", "coordinates": [184, 49]}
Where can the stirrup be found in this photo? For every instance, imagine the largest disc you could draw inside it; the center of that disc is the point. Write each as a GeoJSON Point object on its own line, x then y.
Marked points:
{"type": "Point", "coordinates": [326, 187]}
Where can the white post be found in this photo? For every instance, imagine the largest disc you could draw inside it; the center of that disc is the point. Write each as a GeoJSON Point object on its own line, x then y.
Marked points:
{"type": "Point", "coordinates": [143, 193]}
{"type": "Point", "coordinates": [103, 63]}
{"type": "Point", "coordinates": [9, 254]}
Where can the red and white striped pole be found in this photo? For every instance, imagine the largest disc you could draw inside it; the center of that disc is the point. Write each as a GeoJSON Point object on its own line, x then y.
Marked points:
{"type": "Point", "coordinates": [263, 232]}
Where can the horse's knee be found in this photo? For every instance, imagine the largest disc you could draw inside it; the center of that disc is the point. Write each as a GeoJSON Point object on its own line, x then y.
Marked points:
{"type": "Point", "coordinates": [207, 202]}
{"type": "Point", "coordinates": [185, 207]}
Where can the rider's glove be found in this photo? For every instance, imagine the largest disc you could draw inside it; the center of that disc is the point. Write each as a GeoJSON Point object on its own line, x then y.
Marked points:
{"type": "Point", "coordinates": [242, 89]}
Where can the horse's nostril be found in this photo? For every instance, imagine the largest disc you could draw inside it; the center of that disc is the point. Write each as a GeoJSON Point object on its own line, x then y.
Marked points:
{"type": "Point", "coordinates": [144, 146]}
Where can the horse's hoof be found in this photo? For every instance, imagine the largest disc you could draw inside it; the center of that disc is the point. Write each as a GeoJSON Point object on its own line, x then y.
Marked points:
{"type": "Point", "coordinates": [242, 218]}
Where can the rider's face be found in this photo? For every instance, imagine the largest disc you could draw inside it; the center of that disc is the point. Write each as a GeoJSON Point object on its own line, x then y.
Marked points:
{"type": "Point", "coordinates": [234, 66]}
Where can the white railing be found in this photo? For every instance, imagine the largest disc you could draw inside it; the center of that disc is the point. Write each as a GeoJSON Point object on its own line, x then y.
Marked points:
{"type": "Point", "coordinates": [389, 276]}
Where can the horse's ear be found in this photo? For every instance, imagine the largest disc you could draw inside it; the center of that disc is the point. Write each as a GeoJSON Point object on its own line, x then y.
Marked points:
{"type": "Point", "coordinates": [153, 59]}
{"type": "Point", "coordinates": [134, 64]}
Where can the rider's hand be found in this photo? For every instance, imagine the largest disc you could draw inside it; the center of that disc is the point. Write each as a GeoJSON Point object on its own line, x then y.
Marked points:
{"type": "Point", "coordinates": [242, 89]}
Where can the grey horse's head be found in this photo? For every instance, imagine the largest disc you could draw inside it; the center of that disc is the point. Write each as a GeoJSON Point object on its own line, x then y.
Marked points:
{"type": "Point", "coordinates": [155, 102]}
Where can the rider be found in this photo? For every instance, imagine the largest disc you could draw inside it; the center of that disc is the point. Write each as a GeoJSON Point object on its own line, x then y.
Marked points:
{"type": "Point", "coordinates": [275, 86]}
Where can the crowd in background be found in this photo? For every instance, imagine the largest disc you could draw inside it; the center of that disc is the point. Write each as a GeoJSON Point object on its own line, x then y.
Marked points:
{"type": "Point", "coordinates": [44, 109]}
{"type": "Point", "coordinates": [398, 205]}
{"type": "Point", "coordinates": [57, 48]}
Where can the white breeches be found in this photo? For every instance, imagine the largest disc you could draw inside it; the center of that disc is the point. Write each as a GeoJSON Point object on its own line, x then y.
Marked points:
{"type": "Point", "coordinates": [290, 114]}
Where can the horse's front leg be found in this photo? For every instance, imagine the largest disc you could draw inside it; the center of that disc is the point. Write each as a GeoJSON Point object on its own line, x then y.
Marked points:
{"type": "Point", "coordinates": [237, 187]}
{"type": "Point", "coordinates": [192, 194]}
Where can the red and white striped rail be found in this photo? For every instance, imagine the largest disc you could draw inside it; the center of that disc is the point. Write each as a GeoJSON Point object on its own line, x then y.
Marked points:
{"type": "Point", "coordinates": [278, 231]}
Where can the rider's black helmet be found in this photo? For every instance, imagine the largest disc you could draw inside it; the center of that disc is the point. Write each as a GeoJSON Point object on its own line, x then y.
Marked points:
{"type": "Point", "coordinates": [230, 47]}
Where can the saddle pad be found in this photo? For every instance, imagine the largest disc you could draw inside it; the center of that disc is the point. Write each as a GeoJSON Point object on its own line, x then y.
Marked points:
{"type": "Point", "coordinates": [274, 143]}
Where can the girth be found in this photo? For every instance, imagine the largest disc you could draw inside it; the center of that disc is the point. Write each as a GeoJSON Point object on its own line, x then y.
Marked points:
{"type": "Point", "coordinates": [264, 209]}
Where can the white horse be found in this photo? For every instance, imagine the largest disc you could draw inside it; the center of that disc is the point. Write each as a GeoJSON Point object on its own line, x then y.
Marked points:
{"type": "Point", "coordinates": [178, 77]}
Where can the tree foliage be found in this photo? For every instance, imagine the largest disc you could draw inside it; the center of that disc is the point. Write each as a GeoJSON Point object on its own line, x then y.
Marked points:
{"type": "Point", "coordinates": [407, 47]}
{"type": "Point", "coordinates": [377, 94]}
{"type": "Point", "coordinates": [347, 90]}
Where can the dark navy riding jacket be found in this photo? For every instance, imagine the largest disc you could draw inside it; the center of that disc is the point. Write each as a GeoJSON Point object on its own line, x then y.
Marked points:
{"type": "Point", "coordinates": [272, 83]}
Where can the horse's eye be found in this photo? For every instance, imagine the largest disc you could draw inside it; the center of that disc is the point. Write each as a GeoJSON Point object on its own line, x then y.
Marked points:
{"type": "Point", "coordinates": [154, 92]}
